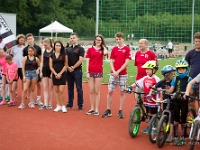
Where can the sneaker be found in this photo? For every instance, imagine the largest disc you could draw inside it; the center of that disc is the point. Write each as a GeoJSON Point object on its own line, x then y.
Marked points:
{"type": "Point", "coordinates": [69, 106]}
{"type": "Point", "coordinates": [12, 103]}
{"type": "Point", "coordinates": [182, 141]}
{"type": "Point", "coordinates": [3, 102]}
{"type": "Point", "coordinates": [80, 108]}
{"type": "Point", "coordinates": [64, 110]}
{"type": "Point", "coordinates": [49, 106]}
{"type": "Point", "coordinates": [145, 130]}
{"type": "Point", "coordinates": [176, 141]}
{"type": "Point", "coordinates": [169, 139]}
{"type": "Point", "coordinates": [90, 112]}
{"type": "Point", "coordinates": [107, 113]}
{"type": "Point", "coordinates": [120, 114]}
{"type": "Point", "coordinates": [38, 102]}
{"type": "Point", "coordinates": [21, 106]}
{"type": "Point", "coordinates": [96, 113]}
{"type": "Point", "coordinates": [31, 105]}
{"type": "Point", "coordinates": [57, 109]}
{"type": "Point", "coordinates": [43, 107]}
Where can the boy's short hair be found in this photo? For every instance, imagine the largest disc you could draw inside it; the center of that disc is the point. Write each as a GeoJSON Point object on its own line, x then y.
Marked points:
{"type": "Point", "coordinates": [74, 33]}
{"type": "Point", "coordinates": [28, 35]}
{"type": "Point", "coordinates": [197, 35]}
{"type": "Point", "coordinates": [119, 35]}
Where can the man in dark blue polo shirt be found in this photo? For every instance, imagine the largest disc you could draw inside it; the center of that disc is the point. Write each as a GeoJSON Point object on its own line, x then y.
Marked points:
{"type": "Point", "coordinates": [193, 57]}
{"type": "Point", "coordinates": [30, 41]}
{"type": "Point", "coordinates": [75, 55]}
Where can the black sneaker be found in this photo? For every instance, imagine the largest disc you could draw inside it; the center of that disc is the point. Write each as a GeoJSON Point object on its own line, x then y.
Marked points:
{"type": "Point", "coordinates": [90, 112]}
{"type": "Point", "coordinates": [96, 113]}
{"type": "Point", "coordinates": [43, 107]}
{"type": "Point", "coordinates": [107, 113]}
{"type": "Point", "coordinates": [80, 108]}
{"type": "Point", "coordinates": [120, 114]}
{"type": "Point", "coordinates": [69, 106]}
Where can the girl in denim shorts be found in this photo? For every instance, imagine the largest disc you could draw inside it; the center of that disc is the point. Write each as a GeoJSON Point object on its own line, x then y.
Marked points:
{"type": "Point", "coordinates": [30, 71]}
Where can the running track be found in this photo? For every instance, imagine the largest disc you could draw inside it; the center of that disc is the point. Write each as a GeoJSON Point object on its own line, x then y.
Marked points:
{"type": "Point", "coordinates": [32, 129]}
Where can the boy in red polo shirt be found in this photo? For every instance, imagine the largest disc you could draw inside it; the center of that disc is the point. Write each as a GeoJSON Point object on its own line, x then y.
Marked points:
{"type": "Point", "coordinates": [119, 60]}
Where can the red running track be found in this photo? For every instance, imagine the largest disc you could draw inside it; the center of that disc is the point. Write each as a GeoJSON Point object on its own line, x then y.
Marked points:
{"type": "Point", "coordinates": [31, 129]}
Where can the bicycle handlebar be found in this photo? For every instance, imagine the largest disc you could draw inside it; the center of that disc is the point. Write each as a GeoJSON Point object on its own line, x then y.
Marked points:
{"type": "Point", "coordinates": [131, 91]}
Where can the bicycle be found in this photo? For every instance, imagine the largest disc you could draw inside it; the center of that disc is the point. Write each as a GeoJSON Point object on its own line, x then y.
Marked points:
{"type": "Point", "coordinates": [153, 125]}
{"type": "Point", "coordinates": [137, 114]}
{"type": "Point", "coordinates": [195, 131]}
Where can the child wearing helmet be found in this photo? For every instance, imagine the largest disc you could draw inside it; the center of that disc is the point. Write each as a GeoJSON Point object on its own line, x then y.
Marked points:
{"type": "Point", "coordinates": [145, 83]}
{"type": "Point", "coordinates": [180, 105]}
{"type": "Point", "coordinates": [168, 72]}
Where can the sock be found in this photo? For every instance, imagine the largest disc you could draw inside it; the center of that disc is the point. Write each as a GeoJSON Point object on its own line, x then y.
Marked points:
{"type": "Point", "coordinates": [184, 128]}
{"type": "Point", "coordinates": [38, 97]}
{"type": "Point", "coordinates": [175, 130]}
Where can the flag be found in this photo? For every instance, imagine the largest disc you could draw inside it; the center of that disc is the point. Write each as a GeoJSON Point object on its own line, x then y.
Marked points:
{"type": "Point", "coordinates": [7, 38]}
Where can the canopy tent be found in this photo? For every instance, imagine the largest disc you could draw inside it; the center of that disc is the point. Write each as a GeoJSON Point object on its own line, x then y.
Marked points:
{"type": "Point", "coordinates": [55, 27]}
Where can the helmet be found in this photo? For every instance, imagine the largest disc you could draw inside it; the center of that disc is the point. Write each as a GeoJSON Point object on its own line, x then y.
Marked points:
{"type": "Point", "coordinates": [167, 68]}
{"type": "Point", "coordinates": [182, 64]}
{"type": "Point", "coordinates": [152, 64]}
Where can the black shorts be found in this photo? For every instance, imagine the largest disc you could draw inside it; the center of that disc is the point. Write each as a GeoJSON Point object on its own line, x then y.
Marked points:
{"type": "Point", "coordinates": [19, 72]}
{"type": "Point", "coordinates": [180, 111]}
{"type": "Point", "coordinates": [151, 110]}
{"type": "Point", "coordinates": [169, 50]}
{"type": "Point", "coordinates": [39, 78]}
{"type": "Point", "coordinates": [46, 72]}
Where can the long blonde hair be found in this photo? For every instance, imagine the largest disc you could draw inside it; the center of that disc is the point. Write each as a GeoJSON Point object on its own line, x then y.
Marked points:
{"type": "Point", "coordinates": [49, 41]}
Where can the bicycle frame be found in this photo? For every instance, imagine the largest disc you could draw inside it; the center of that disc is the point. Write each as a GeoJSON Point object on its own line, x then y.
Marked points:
{"type": "Point", "coordinates": [141, 106]}
{"type": "Point", "coordinates": [198, 120]}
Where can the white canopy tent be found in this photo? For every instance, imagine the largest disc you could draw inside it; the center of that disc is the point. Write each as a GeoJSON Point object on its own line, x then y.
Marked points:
{"type": "Point", "coordinates": [56, 28]}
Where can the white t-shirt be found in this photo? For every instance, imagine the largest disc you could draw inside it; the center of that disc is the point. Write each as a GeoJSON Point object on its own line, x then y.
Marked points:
{"type": "Point", "coordinates": [17, 52]}
{"type": "Point", "coordinates": [170, 45]}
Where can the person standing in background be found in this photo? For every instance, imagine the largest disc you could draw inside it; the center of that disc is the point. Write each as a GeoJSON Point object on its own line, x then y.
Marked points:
{"type": "Point", "coordinates": [38, 52]}
{"type": "Point", "coordinates": [94, 71]}
{"type": "Point", "coordinates": [75, 54]}
{"type": "Point", "coordinates": [170, 48]}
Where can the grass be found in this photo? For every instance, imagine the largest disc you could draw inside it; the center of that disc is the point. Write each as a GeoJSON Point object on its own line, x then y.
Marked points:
{"type": "Point", "coordinates": [132, 70]}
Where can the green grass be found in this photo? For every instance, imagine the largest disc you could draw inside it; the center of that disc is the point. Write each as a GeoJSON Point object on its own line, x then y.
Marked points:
{"type": "Point", "coordinates": [132, 70]}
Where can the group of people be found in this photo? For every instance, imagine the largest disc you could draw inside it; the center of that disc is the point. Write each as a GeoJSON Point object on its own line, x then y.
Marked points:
{"type": "Point", "coordinates": [57, 66]}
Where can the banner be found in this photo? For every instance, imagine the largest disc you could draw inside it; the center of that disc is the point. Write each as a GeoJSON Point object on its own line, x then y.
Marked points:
{"type": "Point", "coordinates": [7, 38]}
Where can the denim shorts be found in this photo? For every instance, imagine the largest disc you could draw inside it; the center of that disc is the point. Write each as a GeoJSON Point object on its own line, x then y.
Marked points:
{"type": "Point", "coordinates": [31, 75]}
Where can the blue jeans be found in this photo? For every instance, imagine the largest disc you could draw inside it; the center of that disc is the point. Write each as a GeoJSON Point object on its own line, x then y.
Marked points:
{"type": "Point", "coordinates": [75, 77]}
{"type": "Point", "coordinates": [31, 75]}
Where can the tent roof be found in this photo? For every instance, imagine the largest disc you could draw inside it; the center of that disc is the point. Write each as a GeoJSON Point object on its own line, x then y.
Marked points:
{"type": "Point", "coordinates": [56, 27]}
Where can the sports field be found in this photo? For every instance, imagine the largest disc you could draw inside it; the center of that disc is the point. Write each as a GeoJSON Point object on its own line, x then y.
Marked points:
{"type": "Point", "coordinates": [132, 70]}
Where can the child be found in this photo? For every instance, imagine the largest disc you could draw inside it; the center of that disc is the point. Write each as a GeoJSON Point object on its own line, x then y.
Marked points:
{"type": "Point", "coordinates": [145, 83]}
{"type": "Point", "coordinates": [11, 76]}
{"type": "Point", "coordinates": [180, 105]}
{"type": "Point", "coordinates": [168, 73]}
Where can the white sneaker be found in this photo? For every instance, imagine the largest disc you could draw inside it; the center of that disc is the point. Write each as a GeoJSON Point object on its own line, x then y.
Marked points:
{"type": "Point", "coordinates": [64, 110]}
{"type": "Point", "coordinates": [58, 108]}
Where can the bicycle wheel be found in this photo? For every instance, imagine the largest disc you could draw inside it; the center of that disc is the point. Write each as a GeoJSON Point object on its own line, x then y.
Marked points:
{"type": "Point", "coordinates": [134, 122]}
{"type": "Point", "coordinates": [193, 137]}
{"type": "Point", "coordinates": [153, 126]}
{"type": "Point", "coordinates": [190, 118]}
{"type": "Point", "coordinates": [162, 131]}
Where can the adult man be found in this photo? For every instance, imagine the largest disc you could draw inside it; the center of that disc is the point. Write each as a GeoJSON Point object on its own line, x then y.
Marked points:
{"type": "Point", "coordinates": [75, 55]}
{"type": "Point", "coordinates": [119, 60]}
{"type": "Point", "coordinates": [170, 48]}
{"type": "Point", "coordinates": [30, 40]}
{"type": "Point", "coordinates": [17, 52]}
{"type": "Point", "coordinates": [193, 57]}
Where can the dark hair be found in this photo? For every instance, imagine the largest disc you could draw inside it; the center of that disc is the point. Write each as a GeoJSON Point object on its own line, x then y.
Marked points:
{"type": "Point", "coordinates": [62, 51]}
{"type": "Point", "coordinates": [33, 48]}
{"type": "Point", "coordinates": [28, 35]}
{"type": "Point", "coordinates": [8, 57]}
{"type": "Point", "coordinates": [19, 37]}
{"type": "Point", "coordinates": [103, 44]}
{"type": "Point", "coordinates": [74, 33]}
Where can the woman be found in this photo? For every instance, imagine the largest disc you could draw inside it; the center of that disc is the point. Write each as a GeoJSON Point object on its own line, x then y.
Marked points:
{"type": "Point", "coordinates": [3, 74]}
{"type": "Point", "coordinates": [30, 71]}
{"type": "Point", "coordinates": [94, 70]}
{"type": "Point", "coordinates": [58, 66]}
{"type": "Point", "coordinates": [46, 74]}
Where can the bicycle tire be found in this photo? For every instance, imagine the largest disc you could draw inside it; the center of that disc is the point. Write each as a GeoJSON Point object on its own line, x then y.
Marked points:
{"type": "Point", "coordinates": [193, 137]}
{"type": "Point", "coordinates": [134, 122]}
{"type": "Point", "coordinates": [160, 140]}
{"type": "Point", "coordinates": [153, 126]}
